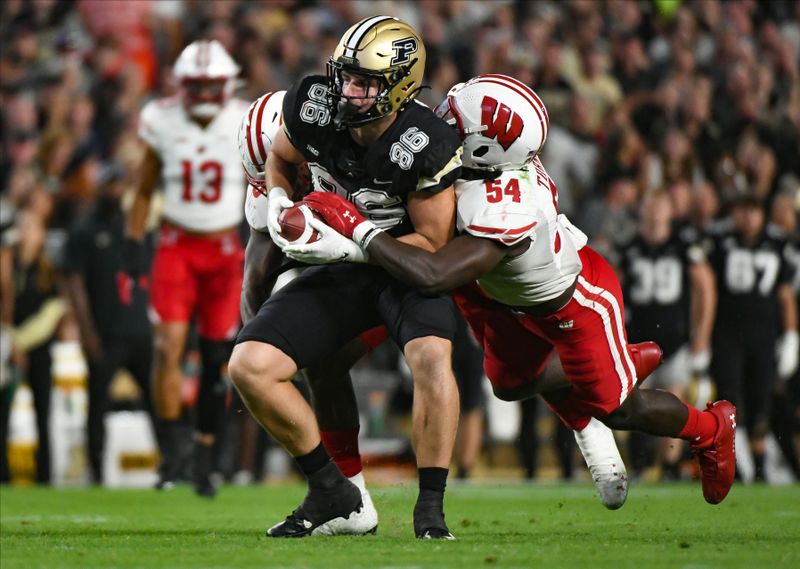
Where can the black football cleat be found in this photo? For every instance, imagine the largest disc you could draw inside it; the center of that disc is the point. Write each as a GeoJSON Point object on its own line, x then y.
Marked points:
{"type": "Point", "coordinates": [429, 522]}
{"type": "Point", "coordinates": [329, 511]}
{"type": "Point", "coordinates": [203, 486]}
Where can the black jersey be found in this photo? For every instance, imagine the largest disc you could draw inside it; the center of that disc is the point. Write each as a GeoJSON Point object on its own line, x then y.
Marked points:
{"type": "Point", "coordinates": [657, 289]}
{"type": "Point", "coordinates": [748, 277]}
{"type": "Point", "coordinates": [418, 152]}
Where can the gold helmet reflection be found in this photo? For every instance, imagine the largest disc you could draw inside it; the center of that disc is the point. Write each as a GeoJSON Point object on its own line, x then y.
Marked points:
{"type": "Point", "coordinates": [382, 47]}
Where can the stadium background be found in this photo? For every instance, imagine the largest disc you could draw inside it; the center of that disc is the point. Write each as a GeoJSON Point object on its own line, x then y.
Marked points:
{"type": "Point", "coordinates": [701, 99]}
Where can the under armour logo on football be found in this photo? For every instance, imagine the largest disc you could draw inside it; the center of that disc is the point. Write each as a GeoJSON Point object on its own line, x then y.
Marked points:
{"type": "Point", "coordinates": [732, 417]}
{"type": "Point", "coordinates": [566, 325]}
{"type": "Point", "coordinates": [349, 217]}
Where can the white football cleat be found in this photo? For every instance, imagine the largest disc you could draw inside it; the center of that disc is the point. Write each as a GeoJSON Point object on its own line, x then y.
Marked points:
{"type": "Point", "coordinates": [361, 522]}
{"type": "Point", "coordinates": [601, 454]}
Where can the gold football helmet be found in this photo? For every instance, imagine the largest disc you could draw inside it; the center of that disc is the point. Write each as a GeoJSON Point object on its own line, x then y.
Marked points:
{"type": "Point", "coordinates": [379, 47]}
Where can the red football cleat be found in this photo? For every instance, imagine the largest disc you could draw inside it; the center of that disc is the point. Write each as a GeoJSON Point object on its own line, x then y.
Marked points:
{"type": "Point", "coordinates": [718, 461]}
{"type": "Point", "coordinates": [646, 357]}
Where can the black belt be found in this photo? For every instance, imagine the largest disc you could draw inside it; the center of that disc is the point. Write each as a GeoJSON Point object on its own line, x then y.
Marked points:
{"type": "Point", "coordinates": [550, 306]}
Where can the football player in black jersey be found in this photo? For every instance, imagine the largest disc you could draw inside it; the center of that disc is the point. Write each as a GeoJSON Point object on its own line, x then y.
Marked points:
{"type": "Point", "coordinates": [670, 298]}
{"type": "Point", "coordinates": [757, 312]}
{"type": "Point", "coordinates": [365, 138]}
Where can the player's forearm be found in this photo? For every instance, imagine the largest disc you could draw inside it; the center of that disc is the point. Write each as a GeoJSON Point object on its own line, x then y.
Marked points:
{"type": "Point", "coordinates": [704, 301]}
{"type": "Point", "coordinates": [280, 173]}
{"type": "Point", "coordinates": [788, 308]}
{"type": "Point", "coordinates": [462, 261]}
{"type": "Point", "coordinates": [414, 265]}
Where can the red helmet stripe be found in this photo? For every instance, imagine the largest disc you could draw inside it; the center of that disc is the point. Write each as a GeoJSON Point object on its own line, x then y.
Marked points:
{"type": "Point", "coordinates": [526, 93]}
{"type": "Point", "coordinates": [524, 87]}
{"type": "Point", "coordinates": [250, 149]}
{"type": "Point", "coordinates": [454, 109]}
{"type": "Point", "coordinates": [259, 141]}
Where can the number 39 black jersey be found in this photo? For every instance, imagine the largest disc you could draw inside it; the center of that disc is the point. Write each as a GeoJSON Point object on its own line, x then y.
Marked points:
{"type": "Point", "coordinates": [656, 287]}
{"type": "Point", "coordinates": [748, 276]}
{"type": "Point", "coordinates": [418, 152]}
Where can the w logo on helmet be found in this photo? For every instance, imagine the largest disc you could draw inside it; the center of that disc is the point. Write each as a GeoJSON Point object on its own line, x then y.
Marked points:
{"type": "Point", "coordinates": [500, 122]}
{"type": "Point", "coordinates": [403, 49]}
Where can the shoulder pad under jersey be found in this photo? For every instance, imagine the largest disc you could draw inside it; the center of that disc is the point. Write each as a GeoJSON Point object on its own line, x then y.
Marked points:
{"type": "Point", "coordinates": [508, 220]}
{"type": "Point", "coordinates": [154, 117]}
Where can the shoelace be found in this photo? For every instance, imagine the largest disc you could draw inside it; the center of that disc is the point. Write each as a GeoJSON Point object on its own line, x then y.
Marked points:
{"type": "Point", "coordinates": [297, 520]}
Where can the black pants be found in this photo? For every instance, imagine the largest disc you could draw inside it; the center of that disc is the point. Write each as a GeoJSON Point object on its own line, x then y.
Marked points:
{"type": "Point", "coordinates": [134, 354]}
{"type": "Point", "coordinates": [40, 381]}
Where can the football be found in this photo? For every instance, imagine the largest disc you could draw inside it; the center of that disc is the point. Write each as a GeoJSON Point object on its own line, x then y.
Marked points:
{"type": "Point", "coordinates": [294, 224]}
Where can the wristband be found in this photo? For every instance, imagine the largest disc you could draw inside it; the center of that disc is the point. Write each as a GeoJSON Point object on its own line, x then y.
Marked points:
{"type": "Point", "coordinates": [364, 233]}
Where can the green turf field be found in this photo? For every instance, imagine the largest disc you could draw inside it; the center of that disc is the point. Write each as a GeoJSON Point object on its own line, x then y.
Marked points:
{"type": "Point", "coordinates": [497, 525]}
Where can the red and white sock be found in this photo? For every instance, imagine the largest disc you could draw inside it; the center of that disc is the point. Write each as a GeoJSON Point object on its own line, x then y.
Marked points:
{"type": "Point", "coordinates": [700, 428]}
{"type": "Point", "coordinates": [343, 448]}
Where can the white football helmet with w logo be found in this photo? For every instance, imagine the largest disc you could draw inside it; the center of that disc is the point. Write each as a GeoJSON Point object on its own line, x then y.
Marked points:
{"type": "Point", "coordinates": [206, 74]}
{"type": "Point", "coordinates": [502, 122]}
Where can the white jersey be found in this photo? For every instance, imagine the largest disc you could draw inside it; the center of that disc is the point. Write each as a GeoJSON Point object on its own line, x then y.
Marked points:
{"type": "Point", "coordinates": [522, 204]}
{"type": "Point", "coordinates": [203, 180]}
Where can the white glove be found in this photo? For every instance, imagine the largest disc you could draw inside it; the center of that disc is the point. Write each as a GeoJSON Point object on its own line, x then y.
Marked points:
{"type": "Point", "coordinates": [699, 361]}
{"type": "Point", "coordinates": [788, 353]}
{"type": "Point", "coordinates": [331, 247]}
{"type": "Point", "coordinates": [278, 201]}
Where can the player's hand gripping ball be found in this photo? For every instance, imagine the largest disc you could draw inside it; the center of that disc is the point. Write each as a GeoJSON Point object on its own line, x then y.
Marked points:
{"type": "Point", "coordinates": [294, 224]}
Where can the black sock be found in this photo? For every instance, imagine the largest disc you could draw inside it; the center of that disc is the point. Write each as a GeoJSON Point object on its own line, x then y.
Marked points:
{"type": "Point", "coordinates": [432, 482]}
{"type": "Point", "coordinates": [433, 478]}
{"type": "Point", "coordinates": [758, 462]}
{"type": "Point", "coordinates": [319, 469]}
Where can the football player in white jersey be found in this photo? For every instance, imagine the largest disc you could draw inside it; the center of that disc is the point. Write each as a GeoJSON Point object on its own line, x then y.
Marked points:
{"type": "Point", "coordinates": [197, 271]}
{"type": "Point", "coordinates": [529, 284]}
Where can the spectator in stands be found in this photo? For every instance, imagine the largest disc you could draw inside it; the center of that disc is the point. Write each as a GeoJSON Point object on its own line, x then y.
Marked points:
{"type": "Point", "coordinates": [37, 311]}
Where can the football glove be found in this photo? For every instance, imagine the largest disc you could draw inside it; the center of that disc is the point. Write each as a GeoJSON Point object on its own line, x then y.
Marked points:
{"type": "Point", "coordinates": [278, 201]}
{"type": "Point", "coordinates": [699, 362]}
{"type": "Point", "coordinates": [788, 353]}
{"type": "Point", "coordinates": [343, 217]}
{"type": "Point", "coordinates": [330, 247]}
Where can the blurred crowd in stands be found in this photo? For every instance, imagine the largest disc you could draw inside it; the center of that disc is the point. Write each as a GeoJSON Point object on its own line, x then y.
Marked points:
{"type": "Point", "coordinates": [700, 99]}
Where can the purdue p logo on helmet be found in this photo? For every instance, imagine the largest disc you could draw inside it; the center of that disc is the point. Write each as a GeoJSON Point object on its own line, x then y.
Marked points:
{"type": "Point", "coordinates": [383, 48]}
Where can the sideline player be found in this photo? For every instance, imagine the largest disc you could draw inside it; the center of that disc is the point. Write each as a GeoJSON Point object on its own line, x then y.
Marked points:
{"type": "Point", "coordinates": [363, 136]}
{"type": "Point", "coordinates": [756, 304]}
{"type": "Point", "coordinates": [529, 284]}
{"type": "Point", "coordinates": [197, 271]}
{"type": "Point", "coordinates": [670, 297]}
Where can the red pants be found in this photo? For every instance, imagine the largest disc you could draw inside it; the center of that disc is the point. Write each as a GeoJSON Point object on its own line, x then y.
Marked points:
{"type": "Point", "coordinates": [197, 274]}
{"type": "Point", "coordinates": [588, 334]}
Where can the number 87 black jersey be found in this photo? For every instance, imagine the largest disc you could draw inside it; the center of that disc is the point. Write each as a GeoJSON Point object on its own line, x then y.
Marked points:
{"type": "Point", "coordinates": [748, 277]}
{"type": "Point", "coordinates": [418, 152]}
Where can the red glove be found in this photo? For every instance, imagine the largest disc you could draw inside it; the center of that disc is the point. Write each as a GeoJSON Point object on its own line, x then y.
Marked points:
{"type": "Point", "coordinates": [337, 212]}
{"type": "Point", "coordinates": [343, 217]}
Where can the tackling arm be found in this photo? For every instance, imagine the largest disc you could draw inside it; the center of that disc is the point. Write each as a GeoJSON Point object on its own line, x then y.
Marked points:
{"type": "Point", "coordinates": [460, 262]}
